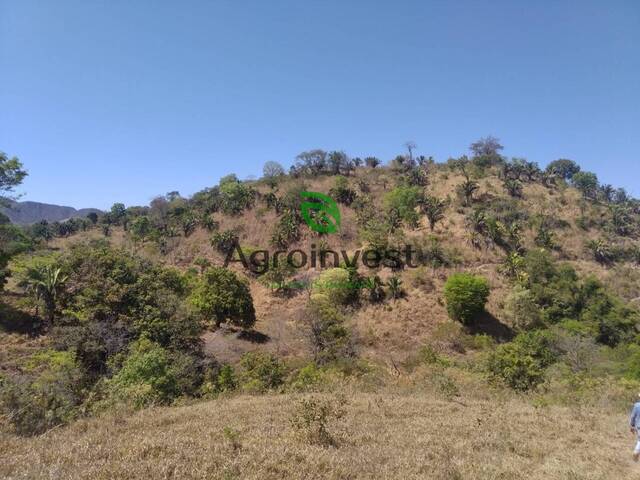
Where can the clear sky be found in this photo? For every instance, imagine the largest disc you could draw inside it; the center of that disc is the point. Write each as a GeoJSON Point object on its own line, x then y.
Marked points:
{"type": "Point", "coordinates": [119, 100]}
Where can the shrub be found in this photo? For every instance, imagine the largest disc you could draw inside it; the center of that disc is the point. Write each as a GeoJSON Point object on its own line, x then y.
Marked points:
{"type": "Point", "coordinates": [46, 395]}
{"type": "Point", "coordinates": [287, 230]}
{"type": "Point", "coordinates": [261, 372]}
{"type": "Point", "coordinates": [521, 364]}
{"type": "Point", "coordinates": [329, 338]}
{"type": "Point", "coordinates": [219, 295]}
{"type": "Point", "coordinates": [466, 296]}
{"type": "Point", "coordinates": [224, 241]}
{"type": "Point", "coordinates": [335, 285]}
{"type": "Point", "coordinates": [147, 377]}
{"type": "Point", "coordinates": [235, 196]}
{"type": "Point", "coordinates": [404, 201]}
{"type": "Point", "coordinates": [341, 192]}
{"type": "Point", "coordinates": [522, 309]}
{"type": "Point", "coordinates": [312, 418]}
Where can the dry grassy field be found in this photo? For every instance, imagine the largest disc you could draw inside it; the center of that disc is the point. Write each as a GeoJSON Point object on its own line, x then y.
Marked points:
{"type": "Point", "coordinates": [383, 435]}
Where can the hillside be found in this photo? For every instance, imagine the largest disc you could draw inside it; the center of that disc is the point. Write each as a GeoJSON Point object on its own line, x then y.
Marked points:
{"type": "Point", "coordinates": [383, 435]}
{"type": "Point", "coordinates": [504, 344]}
{"type": "Point", "coordinates": [26, 213]}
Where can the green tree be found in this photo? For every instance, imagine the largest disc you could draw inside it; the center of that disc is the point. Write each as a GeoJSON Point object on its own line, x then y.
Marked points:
{"type": "Point", "coordinates": [404, 201]}
{"type": "Point", "coordinates": [466, 296]}
{"type": "Point", "coordinates": [587, 183]}
{"type": "Point", "coordinates": [563, 168]}
{"type": "Point", "coordinates": [11, 175]}
{"type": "Point", "coordinates": [521, 364]}
{"type": "Point", "coordinates": [221, 296]}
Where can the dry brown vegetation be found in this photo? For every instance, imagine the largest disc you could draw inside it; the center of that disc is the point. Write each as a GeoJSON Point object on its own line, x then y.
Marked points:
{"type": "Point", "coordinates": [388, 434]}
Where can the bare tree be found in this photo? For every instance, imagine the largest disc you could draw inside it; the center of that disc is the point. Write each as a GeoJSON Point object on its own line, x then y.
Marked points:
{"type": "Point", "coordinates": [411, 146]}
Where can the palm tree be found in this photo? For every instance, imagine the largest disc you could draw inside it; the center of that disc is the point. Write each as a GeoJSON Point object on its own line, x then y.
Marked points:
{"type": "Point", "coordinates": [467, 189]}
{"type": "Point", "coordinates": [513, 187]}
{"type": "Point", "coordinates": [601, 251]}
{"type": "Point", "coordinates": [434, 209]}
{"type": "Point", "coordinates": [46, 283]}
{"type": "Point", "coordinates": [395, 287]}
{"type": "Point", "coordinates": [376, 292]}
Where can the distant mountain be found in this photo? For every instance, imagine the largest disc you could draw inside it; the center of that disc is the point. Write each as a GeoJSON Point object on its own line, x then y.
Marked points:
{"type": "Point", "coordinates": [25, 213]}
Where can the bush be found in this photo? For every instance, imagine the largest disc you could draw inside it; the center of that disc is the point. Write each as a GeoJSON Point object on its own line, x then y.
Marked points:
{"type": "Point", "coordinates": [148, 377]}
{"type": "Point", "coordinates": [404, 201]}
{"type": "Point", "coordinates": [46, 395]}
{"type": "Point", "coordinates": [329, 338]}
{"type": "Point", "coordinates": [261, 372]}
{"type": "Point", "coordinates": [224, 241]}
{"type": "Point", "coordinates": [313, 416]}
{"type": "Point", "coordinates": [466, 296]}
{"type": "Point", "coordinates": [235, 196]}
{"type": "Point", "coordinates": [522, 309]}
{"type": "Point", "coordinates": [521, 364]}
{"type": "Point", "coordinates": [342, 192]}
{"type": "Point", "coordinates": [335, 285]}
{"type": "Point", "coordinates": [221, 296]}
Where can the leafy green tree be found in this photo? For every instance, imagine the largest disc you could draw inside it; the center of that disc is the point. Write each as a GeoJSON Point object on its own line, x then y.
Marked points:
{"type": "Point", "coordinates": [563, 168]}
{"type": "Point", "coordinates": [329, 338]}
{"type": "Point", "coordinates": [118, 213]}
{"type": "Point", "coordinates": [338, 163]}
{"type": "Point", "coordinates": [312, 162]}
{"type": "Point", "coordinates": [11, 174]}
{"type": "Point", "coordinates": [404, 201]}
{"type": "Point", "coordinates": [235, 197]}
{"type": "Point", "coordinates": [220, 296]}
{"type": "Point", "coordinates": [601, 251]}
{"type": "Point", "coordinates": [521, 364]}
{"type": "Point", "coordinates": [123, 293]}
{"type": "Point", "coordinates": [466, 296]}
{"type": "Point", "coordinates": [587, 183]}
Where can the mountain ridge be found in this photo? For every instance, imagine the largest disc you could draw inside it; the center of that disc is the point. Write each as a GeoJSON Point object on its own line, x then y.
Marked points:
{"type": "Point", "coordinates": [29, 212]}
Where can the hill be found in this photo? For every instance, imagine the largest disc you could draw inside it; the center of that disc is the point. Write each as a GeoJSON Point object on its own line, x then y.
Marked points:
{"type": "Point", "coordinates": [396, 435]}
{"type": "Point", "coordinates": [507, 315]}
{"type": "Point", "coordinates": [26, 213]}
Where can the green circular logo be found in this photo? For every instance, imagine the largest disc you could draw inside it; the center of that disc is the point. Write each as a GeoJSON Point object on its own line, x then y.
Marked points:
{"type": "Point", "coordinates": [320, 212]}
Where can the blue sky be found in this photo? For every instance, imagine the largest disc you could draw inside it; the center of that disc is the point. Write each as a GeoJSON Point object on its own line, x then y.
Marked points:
{"type": "Point", "coordinates": [115, 100]}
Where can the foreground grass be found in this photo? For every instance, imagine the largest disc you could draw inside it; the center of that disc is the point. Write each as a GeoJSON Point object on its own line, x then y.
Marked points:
{"type": "Point", "coordinates": [403, 436]}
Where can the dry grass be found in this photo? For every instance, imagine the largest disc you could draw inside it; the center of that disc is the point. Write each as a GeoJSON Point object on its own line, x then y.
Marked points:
{"type": "Point", "coordinates": [386, 435]}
